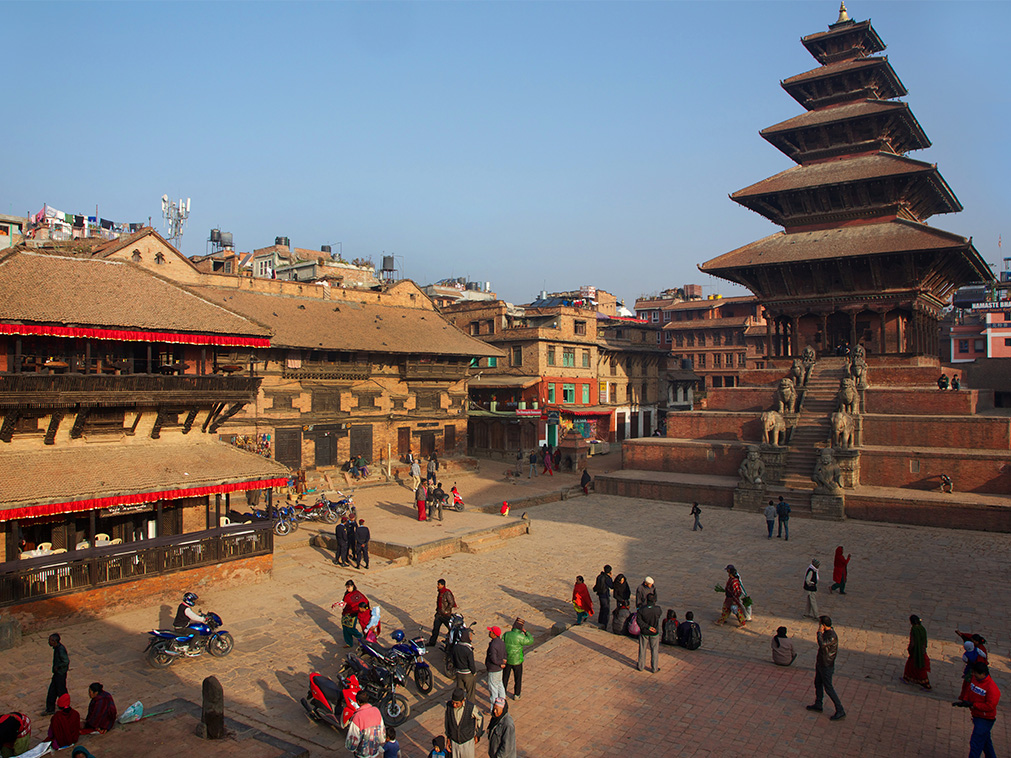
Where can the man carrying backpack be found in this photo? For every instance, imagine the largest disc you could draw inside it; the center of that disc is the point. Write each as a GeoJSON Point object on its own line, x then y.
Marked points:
{"type": "Point", "coordinates": [783, 511]}
{"type": "Point", "coordinates": [602, 588]}
{"type": "Point", "coordinates": [689, 635]}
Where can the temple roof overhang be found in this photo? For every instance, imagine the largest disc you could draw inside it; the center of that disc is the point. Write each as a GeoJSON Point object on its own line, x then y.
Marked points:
{"type": "Point", "coordinates": [862, 75]}
{"type": "Point", "coordinates": [842, 40]}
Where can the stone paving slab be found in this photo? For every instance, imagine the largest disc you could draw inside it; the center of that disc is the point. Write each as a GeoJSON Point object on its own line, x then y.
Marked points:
{"type": "Point", "coordinates": [950, 578]}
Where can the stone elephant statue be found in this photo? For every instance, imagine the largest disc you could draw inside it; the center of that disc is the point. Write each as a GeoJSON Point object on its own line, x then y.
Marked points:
{"type": "Point", "coordinates": [773, 428]}
{"type": "Point", "coordinates": [843, 430]}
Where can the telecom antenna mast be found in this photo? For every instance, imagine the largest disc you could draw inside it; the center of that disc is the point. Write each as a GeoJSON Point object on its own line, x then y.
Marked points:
{"type": "Point", "coordinates": [175, 217]}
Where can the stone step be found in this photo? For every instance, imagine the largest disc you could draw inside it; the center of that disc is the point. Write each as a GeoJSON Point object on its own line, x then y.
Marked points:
{"type": "Point", "coordinates": [481, 544]}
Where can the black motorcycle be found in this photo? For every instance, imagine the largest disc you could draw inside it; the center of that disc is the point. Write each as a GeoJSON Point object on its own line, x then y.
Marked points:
{"type": "Point", "coordinates": [381, 683]}
{"type": "Point", "coordinates": [410, 653]}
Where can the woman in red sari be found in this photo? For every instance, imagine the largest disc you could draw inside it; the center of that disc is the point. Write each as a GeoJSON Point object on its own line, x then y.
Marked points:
{"type": "Point", "coordinates": [918, 664]}
{"type": "Point", "coordinates": [839, 571]}
{"type": "Point", "coordinates": [581, 600]}
{"type": "Point", "coordinates": [349, 611]}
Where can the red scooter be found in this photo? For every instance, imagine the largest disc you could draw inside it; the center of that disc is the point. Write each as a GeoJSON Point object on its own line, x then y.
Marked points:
{"type": "Point", "coordinates": [330, 702]}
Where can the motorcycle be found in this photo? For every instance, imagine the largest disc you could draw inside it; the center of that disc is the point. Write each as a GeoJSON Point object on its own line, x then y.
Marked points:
{"type": "Point", "coordinates": [321, 510]}
{"type": "Point", "coordinates": [332, 702]}
{"type": "Point", "coordinates": [381, 683]}
{"type": "Point", "coordinates": [456, 627]}
{"type": "Point", "coordinates": [406, 652]}
{"type": "Point", "coordinates": [344, 505]}
{"type": "Point", "coordinates": [165, 646]}
{"type": "Point", "coordinates": [457, 502]}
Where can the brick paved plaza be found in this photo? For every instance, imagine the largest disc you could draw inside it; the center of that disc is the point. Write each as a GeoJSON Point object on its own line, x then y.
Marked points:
{"type": "Point", "coordinates": [582, 695]}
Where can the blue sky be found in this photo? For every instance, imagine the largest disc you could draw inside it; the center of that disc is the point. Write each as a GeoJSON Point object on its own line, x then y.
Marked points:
{"type": "Point", "coordinates": [530, 144]}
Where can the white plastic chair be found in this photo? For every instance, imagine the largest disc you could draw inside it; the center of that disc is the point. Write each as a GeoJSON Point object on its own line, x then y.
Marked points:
{"type": "Point", "coordinates": [101, 536]}
{"type": "Point", "coordinates": [224, 521]}
{"type": "Point", "coordinates": [45, 547]}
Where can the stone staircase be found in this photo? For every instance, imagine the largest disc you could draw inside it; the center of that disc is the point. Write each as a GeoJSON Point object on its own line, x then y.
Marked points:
{"type": "Point", "coordinates": [814, 428]}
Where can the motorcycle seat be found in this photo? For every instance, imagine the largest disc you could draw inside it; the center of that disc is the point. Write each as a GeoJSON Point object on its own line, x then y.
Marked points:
{"type": "Point", "coordinates": [386, 652]}
{"type": "Point", "coordinates": [331, 691]}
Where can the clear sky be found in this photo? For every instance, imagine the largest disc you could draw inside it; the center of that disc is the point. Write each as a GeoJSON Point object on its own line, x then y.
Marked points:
{"type": "Point", "coordinates": [530, 144]}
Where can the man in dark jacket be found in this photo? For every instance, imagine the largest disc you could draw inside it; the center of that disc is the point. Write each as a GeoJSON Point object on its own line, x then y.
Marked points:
{"type": "Point", "coordinates": [689, 633]}
{"type": "Point", "coordinates": [783, 512]}
{"type": "Point", "coordinates": [501, 731]}
{"type": "Point", "coordinates": [362, 537]}
{"type": "Point", "coordinates": [464, 724]}
{"type": "Point", "coordinates": [444, 605]}
{"type": "Point", "coordinates": [352, 527]}
{"type": "Point", "coordinates": [463, 663]}
{"type": "Point", "coordinates": [824, 668]}
{"type": "Point", "coordinates": [649, 633]}
{"type": "Point", "coordinates": [494, 662]}
{"type": "Point", "coordinates": [61, 665]}
{"type": "Point", "coordinates": [602, 587]}
{"type": "Point", "coordinates": [340, 532]}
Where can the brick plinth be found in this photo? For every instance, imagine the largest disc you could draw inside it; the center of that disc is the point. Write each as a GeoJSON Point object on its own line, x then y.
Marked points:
{"type": "Point", "coordinates": [926, 402]}
{"type": "Point", "coordinates": [721, 495]}
{"type": "Point", "coordinates": [986, 518]}
{"type": "Point", "coordinates": [921, 469]}
{"type": "Point", "coordinates": [958, 432]}
{"type": "Point", "coordinates": [104, 601]}
{"type": "Point", "coordinates": [714, 425]}
{"type": "Point", "coordinates": [741, 398]}
{"type": "Point", "coordinates": [715, 458]}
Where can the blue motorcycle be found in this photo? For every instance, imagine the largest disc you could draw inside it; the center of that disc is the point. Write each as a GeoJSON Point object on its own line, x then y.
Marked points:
{"type": "Point", "coordinates": [165, 646]}
{"type": "Point", "coordinates": [404, 651]}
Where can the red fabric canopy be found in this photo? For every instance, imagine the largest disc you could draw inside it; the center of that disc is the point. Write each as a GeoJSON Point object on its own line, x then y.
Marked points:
{"type": "Point", "coordinates": [127, 335]}
{"type": "Point", "coordinates": [76, 506]}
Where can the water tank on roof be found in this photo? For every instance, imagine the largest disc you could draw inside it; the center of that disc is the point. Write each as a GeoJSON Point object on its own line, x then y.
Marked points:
{"type": "Point", "coordinates": [225, 239]}
{"type": "Point", "coordinates": [325, 249]}
{"type": "Point", "coordinates": [282, 241]}
{"type": "Point", "coordinates": [487, 286]}
{"type": "Point", "coordinates": [388, 263]}
{"type": "Point", "coordinates": [472, 286]}
{"type": "Point", "coordinates": [215, 235]}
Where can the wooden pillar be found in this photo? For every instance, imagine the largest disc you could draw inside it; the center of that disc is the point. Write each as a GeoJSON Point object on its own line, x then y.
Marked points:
{"type": "Point", "coordinates": [824, 332]}
{"type": "Point", "coordinates": [17, 354]}
{"type": "Point", "coordinates": [150, 365]}
{"type": "Point", "coordinates": [794, 335]}
{"type": "Point", "coordinates": [853, 329]}
{"type": "Point", "coordinates": [158, 519]}
{"type": "Point", "coordinates": [881, 332]}
{"type": "Point", "coordinates": [217, 510]}
{"type": "Point", "coordinates": [768, 335]}
{"type": "Point", "coordinates": [203, 361]}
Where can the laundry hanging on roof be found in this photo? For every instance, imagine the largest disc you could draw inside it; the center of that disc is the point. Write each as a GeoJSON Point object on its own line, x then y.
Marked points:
{"type": "Point", "coordinates": [106, 224]}
{"type": "Point", "coordinates": [78, 221]}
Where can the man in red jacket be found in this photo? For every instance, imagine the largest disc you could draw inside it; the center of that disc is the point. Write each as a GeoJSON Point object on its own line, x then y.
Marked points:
{"type": "Point", "coordinates": [982, 698]}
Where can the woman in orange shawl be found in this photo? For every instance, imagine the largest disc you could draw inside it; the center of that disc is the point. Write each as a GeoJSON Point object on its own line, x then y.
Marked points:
{"type": "Point", "coordinates": [581, 601]}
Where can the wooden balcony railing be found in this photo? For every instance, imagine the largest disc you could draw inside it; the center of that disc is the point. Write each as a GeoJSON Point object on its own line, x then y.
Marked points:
{"type": "Point", "coordinates": [339, 371]}
{"type": "Point", "coordinates": [68, 389]}
{"type": "Point", "coordinates": [414, 370]}
{"type": "Point", "coordinates": [66, 573]}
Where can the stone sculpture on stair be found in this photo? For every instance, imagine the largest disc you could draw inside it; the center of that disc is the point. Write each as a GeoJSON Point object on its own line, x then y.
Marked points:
{"type": "Point", "coordinates": [786, 396]}
{"type": "Point", "coordinates": [827, 475]}
{"type": "Point", "coordinates": [752, 469]}
{"type": "Point", "coordinates": [843, 430]}
{"type": "Point", "coordinates": [773, 428]}
{"type": "Point", "coordinates": [808, 358]}
{"type": "Point", "coordinates": [847, 399]}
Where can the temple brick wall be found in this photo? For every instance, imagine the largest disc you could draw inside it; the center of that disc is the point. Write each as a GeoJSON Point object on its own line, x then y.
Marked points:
{"type": "Point", "coordinates": [714, 426]}
{"type": "Point", "coordinates": [921, 470]}
{"type": "Point", "coordinates": [713, 459]}
{"type": "Point", "coordinates": [962, 433]}
{"type": "Point", "coordinates": [740, 398]}
{"type": "Point", "coordinates": [924, 513]}
{"type": "Point", "coordinates": [916, 401]}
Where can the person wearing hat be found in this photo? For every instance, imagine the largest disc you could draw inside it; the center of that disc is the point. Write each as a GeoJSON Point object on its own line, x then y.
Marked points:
{"type": "Point", "coordinates": [515, 640]}
{"type": "Point", "coordinates": [463, 663]}
{"type": "Point", "coordinates": [501, 731]}
{"type": "Point", "coordinates": [811, 588]}
{"type": "Point", "coordinates": [494, 662]}
{"type": "Point", "coordinates": [643, 591]}
{"type": "Point", "coordinates": [65, 725]}
{"type": "Point", "coordinates": [81, 752]}
{"type": "Point", "coordinates": [733, 597]}
{"type": "Point", "coordinates": [464, 725]}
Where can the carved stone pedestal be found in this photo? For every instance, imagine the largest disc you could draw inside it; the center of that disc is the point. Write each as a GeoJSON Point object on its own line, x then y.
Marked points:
{"type": "Point", "coordinates": [774, 458]}
{"type": "Point", "coordinates": [849, 467]}
{"type": "Point", "coordinates": [828, 506]}
{"type": "Point", "coordinates": [750, 498]}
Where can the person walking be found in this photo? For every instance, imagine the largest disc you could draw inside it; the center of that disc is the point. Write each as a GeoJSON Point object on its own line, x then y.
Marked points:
{"type": "Point", "coordinates": [581, 601]}
{"type": "Point", "coordinates": [421, 500]}
{"type": "Point", "coordinates": [782, 648]}
{"type": "Point", "coordinates": [515, 640]}
{"type": "Point", "coordinates": [432, 469]}
{"type": "Point", "coordinates": [649, 633]}
{"type": "Point", "coordinates": [824, 668]}
{"type": "Point", "coordinates": [501, 731]}
{"type": "Point", "coordinates": [770, 517]}
{"type": "Point", "coordinates": [917, 669]}
{"type": "Point", "coordinates": [350, 605]}
{"type": "Point", "coordinates": [533, 464]}
{"type": "Point", "coordinates": [494, 662]}
{"type": "Point", "coordinates": [61, 665]}
{"type": "Point", "coordinates": [415, 474]}
{"type": "Point", "coordinates": [463, 724]}
{"type": "Point", "coordinates": [366, 732]}
{"type": "Point", "coordinates": [839, 571]}
{"type": "Point", "coordinates": [733, 600]}
{"type": "Point", "coordinates": [696, 512]}
{"type": "Point", "coordinates": [811, 588]}
{"type": "Point", "coordinates": [362, 538]}
{"type": "Point", "coordinates": [783, 511]}
{"type": "Point", "coordinates": [463, 664]}
{"type": "Point", "coordinates": [602, 589]}
{"type": "Point", "coordinates": [982, 698]}
{"type": "Point", "coordinates": [352, 530]}
{"type": "Point", "coordinates": [444, 605]}
{"type": "Point", "coordinates": [643, 591]}
{"type": "Point", "coordinates": [340, 533]}
{"type": "Point", "coordinates": [548, 462]}
{"type": "Point", "coordinates": [585, 481]}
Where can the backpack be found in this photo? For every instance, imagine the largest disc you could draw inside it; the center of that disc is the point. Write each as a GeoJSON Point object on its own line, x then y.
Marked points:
{"type": "Point", "coordinates": [694, 641]}
{"type": "Point", "coordinates": [599, 588]}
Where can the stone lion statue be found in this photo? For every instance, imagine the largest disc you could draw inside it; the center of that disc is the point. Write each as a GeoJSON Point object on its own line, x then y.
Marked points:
{"type": "Point", "coordinates": [858, 370]}
{"type": "Point", "coordinates": [842, 430]}
{"type": "Point", "coordinates": [808, 358]}
{"type": "Point", "coordinates": [860, 352]}
{"type": "Point", "coordinates": [773, 428]}
{"type": "Point", "coordinates": [752, 468]}
{"type": "Point", "coordinates": [797, 372]}
{"type": "Point", "coordinates": [786, 396]}
{"type": "Point", "coordinates": [847, 399]}
{"type": "Point", "coordinates": [827, 475]}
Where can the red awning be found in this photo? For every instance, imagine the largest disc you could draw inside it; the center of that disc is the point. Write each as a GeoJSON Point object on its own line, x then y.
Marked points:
{"type": "Point", "coordinates": [126, 335]}
{"type": "Point", "coordinates": [76, 506]}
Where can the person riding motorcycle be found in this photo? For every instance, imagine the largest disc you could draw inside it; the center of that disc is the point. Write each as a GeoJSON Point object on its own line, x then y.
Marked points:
{"type": "Point", "coordinates": [185, 615]}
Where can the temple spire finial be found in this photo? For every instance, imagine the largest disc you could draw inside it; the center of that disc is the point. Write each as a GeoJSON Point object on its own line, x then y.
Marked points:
{"type": "Point", "coordinates": [843, 15]}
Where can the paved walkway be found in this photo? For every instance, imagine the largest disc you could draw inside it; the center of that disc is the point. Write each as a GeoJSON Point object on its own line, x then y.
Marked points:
{"type": "Point", "coordinates": [581, 696]}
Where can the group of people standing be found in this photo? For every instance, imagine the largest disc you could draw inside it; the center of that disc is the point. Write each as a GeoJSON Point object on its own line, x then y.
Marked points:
{"type": "Point", "coordinates": [352, 542]}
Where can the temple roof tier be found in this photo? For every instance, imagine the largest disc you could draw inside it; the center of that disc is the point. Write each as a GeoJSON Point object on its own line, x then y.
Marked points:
{"type": "Point", "coordinates": [866, 78]}
{"type": "Point", "coordinates": [844, 40]}
{"type": "Point", "coordinates": [859, 127]}
{"type": "Point", "coordinates": [866, 186]}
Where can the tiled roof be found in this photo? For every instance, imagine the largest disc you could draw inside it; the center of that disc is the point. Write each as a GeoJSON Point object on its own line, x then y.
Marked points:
{"type": "Point", "coordinates": [59, 475]}
{"type": "Point", "coordinates": [837, 172]}
{"type": "Point", "coordinates": [706, 323]}
{"type": "Point", "coordinates": [502, 380]}
{"type": "Point", "coordinates": [56, 289]}
{"type": "Point", "coordinates": [341, 325]}
{"type": "Point", "coordinates": [838, 113]}
{"type": "Point", "coordinates": [859, 240]}
{"type": "Point", "coordinates": [689, 305]}
{"type": "Point", "coordinates": [832, 69]}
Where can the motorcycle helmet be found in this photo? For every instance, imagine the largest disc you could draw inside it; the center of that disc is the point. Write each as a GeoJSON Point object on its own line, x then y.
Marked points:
{"type": "Point", "coordinates": [398, 635]}
{"type": "Point", "coordinates": [190, 599]}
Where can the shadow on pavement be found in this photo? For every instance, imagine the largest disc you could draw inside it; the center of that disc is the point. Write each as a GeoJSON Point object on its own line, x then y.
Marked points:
{"type": "Point", "coordinates": [554, 608]}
